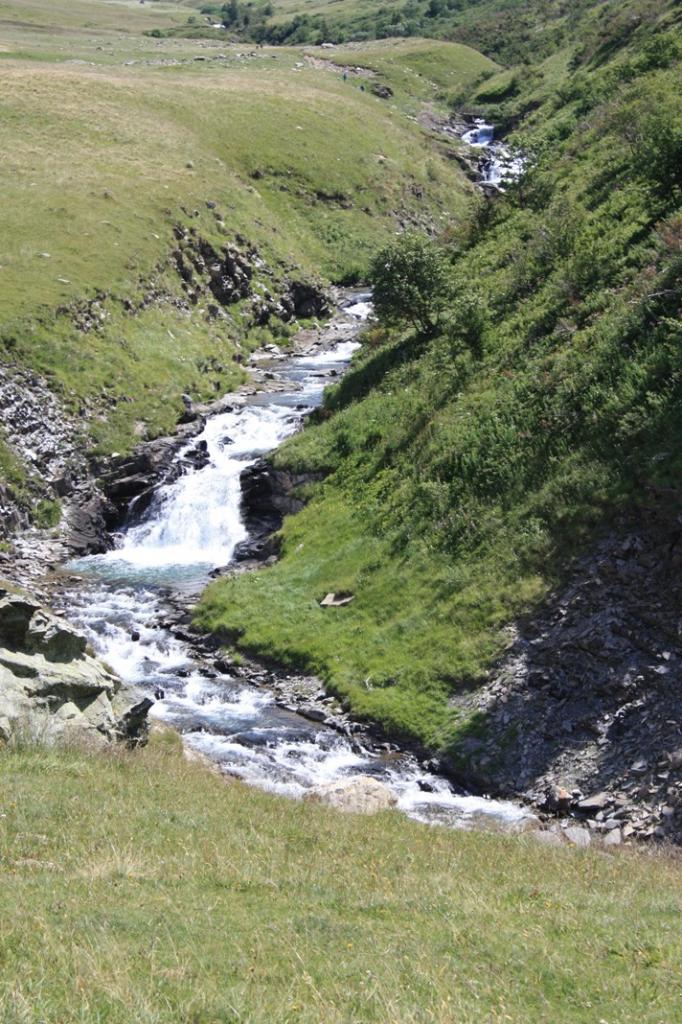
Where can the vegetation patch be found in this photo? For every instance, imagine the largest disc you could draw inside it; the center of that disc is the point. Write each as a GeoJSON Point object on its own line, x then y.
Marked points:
{"type": "Point", "coordinates": [118, 139]}
{"type": "Point", "coordinates": [174, 896]}
{"type": "Point", "coordinates": [540, 399]}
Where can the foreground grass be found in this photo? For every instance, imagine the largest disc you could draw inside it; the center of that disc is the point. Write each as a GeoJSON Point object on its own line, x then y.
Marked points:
{"type": "Point", "coordinates": [141, 888]}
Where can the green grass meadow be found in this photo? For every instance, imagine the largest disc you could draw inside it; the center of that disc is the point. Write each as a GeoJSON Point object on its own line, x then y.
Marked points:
{"type": "Point", "coordinates": [140, 888]}
{"type": "Point", "coordinates": [464, 473]}
{"type": "Point", "coordinates": [112, 138]}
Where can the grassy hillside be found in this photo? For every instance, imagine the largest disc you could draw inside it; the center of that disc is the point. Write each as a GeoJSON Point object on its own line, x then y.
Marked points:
{"type": "Point", "coordinates": [463, 472]}
{"type": "Point", "coordinates": [114, 139]}
{"type": "Point", "coordinates": [511, 31]}
{"type": "Point", "coordinates": [142, 888]}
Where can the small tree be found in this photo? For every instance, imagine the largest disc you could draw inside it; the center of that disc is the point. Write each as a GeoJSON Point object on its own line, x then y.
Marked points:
{"type": "Point", "coordinates": [411, 283]}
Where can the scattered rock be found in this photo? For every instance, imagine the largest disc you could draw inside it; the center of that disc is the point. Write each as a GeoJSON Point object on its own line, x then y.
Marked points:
{"type": "Point", "coordinates": [577, 836]}
{"type": "Point", "coordinates": [579, 702]}
{"type": "Point", "coordinates": [337, 600]}
{"type": "Point", "coordinates": [359, 795]}
{"type": "Point", "coordinates": [557, 798]}
{"type": "Point", "coordinates": [548, 837]}
{"type": "Point", "coordinates": [594, 803]}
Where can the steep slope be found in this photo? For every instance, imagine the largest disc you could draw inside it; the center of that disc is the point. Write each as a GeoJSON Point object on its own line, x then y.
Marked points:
{"type": "Point", "coordinates": [511, 31]}
{"type": "Point", "coordinates": [464, 473]}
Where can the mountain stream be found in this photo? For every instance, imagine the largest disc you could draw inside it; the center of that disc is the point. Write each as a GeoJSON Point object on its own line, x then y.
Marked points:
{"type": "Point", "coordinates": [499, 165]}
{"type": "Point", "coordinates": [192, 526]}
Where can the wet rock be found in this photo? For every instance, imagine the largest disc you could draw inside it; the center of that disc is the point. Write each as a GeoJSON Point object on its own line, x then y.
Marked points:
{"type": "Point", "coordinates": [268, 494]}
{"type": "Point", "coordinates": [314, 714]}
{"type": "Point", "coordinates": [425, 786]}
{"type": "Point", "coordinates": [129, 482]}
{"type": "Point", "coordinates": [224, 665]}
{"type": "Point", "coordinates": [84, 524]}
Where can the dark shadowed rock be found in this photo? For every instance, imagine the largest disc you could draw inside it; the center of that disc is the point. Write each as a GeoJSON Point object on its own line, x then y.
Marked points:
{"type": "Point", "coordinates": [589, 694]}
{"type": "Point", "coordinates": [268, 494]}
{"type": "Point", "coordinates": [308, 300]}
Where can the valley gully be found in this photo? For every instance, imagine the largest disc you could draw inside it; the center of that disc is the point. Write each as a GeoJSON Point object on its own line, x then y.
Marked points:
{"type": "Point", "coordinates": [121, 600]}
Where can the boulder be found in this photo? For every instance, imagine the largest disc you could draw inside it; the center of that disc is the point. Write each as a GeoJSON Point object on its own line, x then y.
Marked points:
{"type": "Point", "coordinates": [52, 690]}
{"type": "Point", "coordinates": [548, 837]}
{"type": "Point", "coordinates": [27, 627]}
{"type": "Point", "coordinates": [383, 91]}
{"type": "Point", "coordinates": [358, 795]}
{"type": "Point", "coordinates": [578, 836]}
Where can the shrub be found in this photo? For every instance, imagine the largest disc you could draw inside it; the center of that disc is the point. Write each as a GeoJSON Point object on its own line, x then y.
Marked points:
{"type": "Point", "coordinates": [411, 282]}
{"type": "Point", "coordinates": [47, 513]}
{"type": "Point", "coordinates": [652, 125]}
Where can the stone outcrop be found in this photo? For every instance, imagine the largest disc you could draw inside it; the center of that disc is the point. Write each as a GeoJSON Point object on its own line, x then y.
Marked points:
{"type": "Point", "coordinates": [43, 437]}
{"type": "Point", "coordinates": [268, 494]}
{"type": "Point", "coordinates": [229, 274]}
{"type": "Point", "coordinates": [128, 483]}
{"type": "Point", "coordinates": [49, 436]}
{"type": "Point", "coordinates": [359, 795]}
{"type": "Point", "coordinates": [52, 689]}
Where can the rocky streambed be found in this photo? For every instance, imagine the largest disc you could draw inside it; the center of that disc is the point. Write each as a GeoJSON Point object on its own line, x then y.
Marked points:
{"type": "Point", "coordinates": [210, 507]}
{"type": "Point", "coordinates": [583, 716]}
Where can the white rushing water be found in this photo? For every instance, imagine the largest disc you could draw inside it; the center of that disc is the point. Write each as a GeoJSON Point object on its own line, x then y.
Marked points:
{"type": "Point", "coordinates": [500, 166]}
{"type": "Point", "coordinates": [196, 519]}
{"type": "Point", "coordinates": [194, 525]}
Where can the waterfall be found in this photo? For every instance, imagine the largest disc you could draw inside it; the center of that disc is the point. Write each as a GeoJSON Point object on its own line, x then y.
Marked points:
{"type": "Point", "coordinates": [194, 524]}
{"type": "Point", "coordinates": [197, 519]}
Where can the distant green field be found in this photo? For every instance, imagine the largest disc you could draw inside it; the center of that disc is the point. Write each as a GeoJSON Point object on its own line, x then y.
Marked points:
{"type": "Point", "coordinates": [113, 137]}
{"type": "Point", "coordinates": [418, 68]}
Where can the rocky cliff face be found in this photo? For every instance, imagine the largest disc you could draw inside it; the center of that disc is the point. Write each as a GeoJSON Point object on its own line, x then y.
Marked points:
{"type": "Point", "coordinates": [584, 715]}
{"type": "Point", "coordinates": [268, 494]}
{"type": "Point", "coordinates": [51, 443]}
{"type": "Point", "coordinates": [52, 690]}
